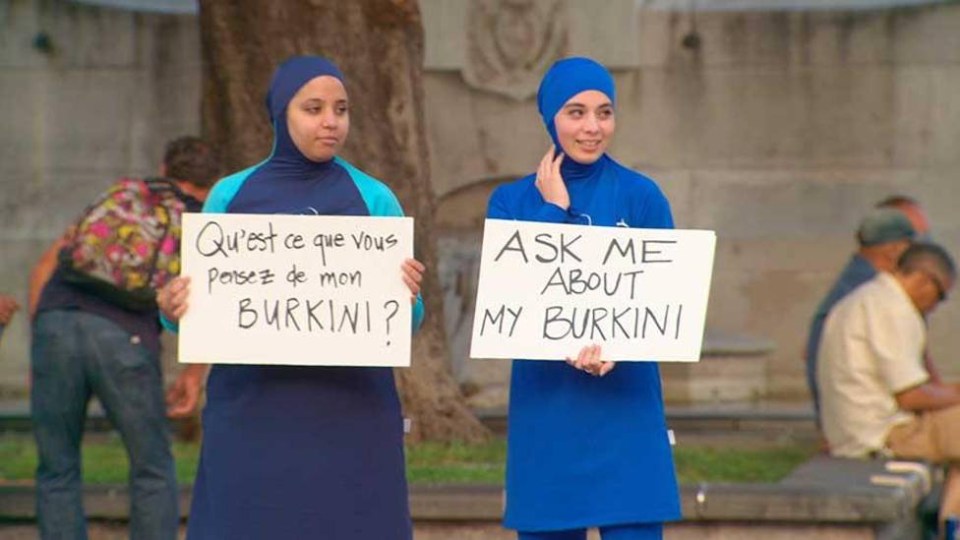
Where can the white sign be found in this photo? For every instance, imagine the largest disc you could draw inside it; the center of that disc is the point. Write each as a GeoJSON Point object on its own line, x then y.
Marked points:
{"type": "Point", "coordinates": [296, 290]}
{"type": "Point", "coordinates": [548, 290]}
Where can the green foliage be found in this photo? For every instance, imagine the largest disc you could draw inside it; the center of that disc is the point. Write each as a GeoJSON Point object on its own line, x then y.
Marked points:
{"type": "Point", "coordinates": [105, 462]}
{"type": "Point", "coordinates": [435, 463]}
{"type": "Point", "coordinates": [738, 465]}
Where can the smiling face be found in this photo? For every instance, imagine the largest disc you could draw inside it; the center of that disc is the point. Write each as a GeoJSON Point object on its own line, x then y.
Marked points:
{"type": "Point", "coordinates": [585, 126]}
{"type": "Point", "coordinates": [318, 118]}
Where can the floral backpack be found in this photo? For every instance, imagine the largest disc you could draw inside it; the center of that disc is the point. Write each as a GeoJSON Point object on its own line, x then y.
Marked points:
{"type": "Point", "coordinates": [126, 245]}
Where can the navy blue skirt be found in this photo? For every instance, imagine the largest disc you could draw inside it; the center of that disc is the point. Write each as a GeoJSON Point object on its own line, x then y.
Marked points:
{"type": "Point", "coordinates": [301, 452]}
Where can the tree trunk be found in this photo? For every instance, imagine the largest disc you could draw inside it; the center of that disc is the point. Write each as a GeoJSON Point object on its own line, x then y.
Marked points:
{"type": "Point", "coordinates": [378, 44]}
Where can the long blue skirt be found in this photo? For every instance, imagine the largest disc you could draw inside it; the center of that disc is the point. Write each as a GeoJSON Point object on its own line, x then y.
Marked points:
{"type": "Point", "coordinates": [301, 452]}
{"type": "Point", "coordinates": [587, 451]}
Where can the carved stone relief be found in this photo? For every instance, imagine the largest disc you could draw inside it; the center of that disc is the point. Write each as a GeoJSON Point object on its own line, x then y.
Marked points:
{"type": "Point", "coordinates": [511, 43]}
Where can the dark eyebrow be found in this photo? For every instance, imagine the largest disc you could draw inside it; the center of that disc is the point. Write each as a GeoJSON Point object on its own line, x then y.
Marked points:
{"type": "Point", "coordinates": [576, 104]}
{"type": "Point", "coordinates": [318, 101]}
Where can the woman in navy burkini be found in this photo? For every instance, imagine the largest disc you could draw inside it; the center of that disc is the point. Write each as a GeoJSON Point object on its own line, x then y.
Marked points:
{"type": "Point", "coordinates": [291, 453]}
{"type": "Point", "coordinates": [587, 441]}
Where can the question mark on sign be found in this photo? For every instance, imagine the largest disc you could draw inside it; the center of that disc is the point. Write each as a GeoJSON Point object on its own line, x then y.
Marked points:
{"type": "Point", "coordinates": [396, 307]}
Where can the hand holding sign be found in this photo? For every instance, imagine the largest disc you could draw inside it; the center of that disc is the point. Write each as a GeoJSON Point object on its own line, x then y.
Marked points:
{"type": "Point", "coordinates": [548, 289]}
{"type": "Point", "coordinates": [589, 360]}
{"type": "Point", "coordinates": [412, 276]}
{"type": "Point", "coordinates": [172, 298]}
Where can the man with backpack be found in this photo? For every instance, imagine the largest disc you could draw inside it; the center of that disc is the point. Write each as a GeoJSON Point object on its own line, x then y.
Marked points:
{"type": "Point", "coordinates": [96, 332]}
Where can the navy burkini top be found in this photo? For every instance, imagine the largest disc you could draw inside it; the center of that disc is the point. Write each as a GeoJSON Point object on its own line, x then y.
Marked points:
{"type": "Point", "coordinates": [301, 452]}
{"type": "Point", "coordinates": [586, 451]}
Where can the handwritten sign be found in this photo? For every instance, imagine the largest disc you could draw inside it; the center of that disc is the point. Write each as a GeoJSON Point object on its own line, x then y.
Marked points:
{"type": "Point", "coordinates": [296, 290]}
{"type": "Point", "coordinates": [548, 290]}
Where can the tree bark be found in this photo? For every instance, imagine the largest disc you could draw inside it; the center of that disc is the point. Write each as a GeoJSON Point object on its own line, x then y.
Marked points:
{"type": "Point", "coordinates": [378, 45]}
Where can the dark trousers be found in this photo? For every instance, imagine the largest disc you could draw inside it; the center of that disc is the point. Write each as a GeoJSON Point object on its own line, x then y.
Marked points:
{"type": "Point", "coordinates": [74, 356]}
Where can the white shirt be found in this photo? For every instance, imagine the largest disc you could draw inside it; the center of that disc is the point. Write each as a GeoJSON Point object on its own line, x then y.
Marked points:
{"type": "Point", "coordinates": [872, 348]}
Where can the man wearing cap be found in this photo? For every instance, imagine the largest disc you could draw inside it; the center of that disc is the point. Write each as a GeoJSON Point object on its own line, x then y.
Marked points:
{"type": "Point", "coordinates": [877, 397]}
{"type": "Point", "coordinates": [883, 235]}
{"type": "Point", "coordinates": [911, 208]}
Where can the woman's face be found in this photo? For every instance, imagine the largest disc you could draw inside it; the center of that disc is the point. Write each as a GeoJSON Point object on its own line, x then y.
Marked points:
{"type": "Point", "coordinates": [318, 118]}
{"type": "Point", "coordinates": [585, 126]}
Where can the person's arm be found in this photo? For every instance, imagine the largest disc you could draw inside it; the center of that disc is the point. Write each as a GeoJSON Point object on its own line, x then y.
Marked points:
{"type": "Point", "coordinates": [931, 367]}
{"type": "Point", "coordinates": [8, 306]}
{"type": "Point", "coordinates": [183, 397]}
{"type": "Point", "coordinates": [552, 190]}
{"type": "Point", "coordinates": [40, 274]}
{"type": "Point", "coordinates": [928, 396]}
{"type": "Point", "coordinates": [549, 182]}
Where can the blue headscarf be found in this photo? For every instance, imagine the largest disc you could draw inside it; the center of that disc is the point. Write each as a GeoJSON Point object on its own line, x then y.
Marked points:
{"type": "Point", "coordinates": [567, 78]}
{"type": "Point", "coordinates": [290, 76]}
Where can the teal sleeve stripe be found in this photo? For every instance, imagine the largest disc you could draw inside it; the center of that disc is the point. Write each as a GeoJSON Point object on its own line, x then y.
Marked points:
{"type": "Point", "coordinates": [225, 190]}
{"type": "Point", "coordinates": [169, 325]}
{"type": "Point", "coordinates": [376, 195]}
{"type": "Point", "coordinates": [418, 313]}
{"type": "Point", "coordinates": [381, 201]}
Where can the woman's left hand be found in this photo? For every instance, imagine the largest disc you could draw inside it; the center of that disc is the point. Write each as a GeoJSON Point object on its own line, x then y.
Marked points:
{"type": "Point", "coordinates": [589, 361]}
{"type": "Point", "coordinates": [413, 270]}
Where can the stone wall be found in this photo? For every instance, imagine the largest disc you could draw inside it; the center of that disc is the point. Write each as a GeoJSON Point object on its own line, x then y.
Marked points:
{"type": "Point", "coordinates": [98, 103]}
{"type": "Point", "coordinates": [778, 130]}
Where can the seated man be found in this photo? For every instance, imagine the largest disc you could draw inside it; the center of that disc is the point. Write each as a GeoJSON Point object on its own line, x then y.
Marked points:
{"type": "Point", "coordinates": [883, 235]}
{"type": "Point", "coordinates": [912, 209]}
{"type": "Point", "coordinates": [877, 397]}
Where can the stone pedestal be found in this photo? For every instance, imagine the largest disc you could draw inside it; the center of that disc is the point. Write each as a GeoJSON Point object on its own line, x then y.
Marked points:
{"type": "Point", "coordinates": [732, 369]}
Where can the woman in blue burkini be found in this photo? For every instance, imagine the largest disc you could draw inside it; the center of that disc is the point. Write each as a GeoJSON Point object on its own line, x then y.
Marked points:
{"type": "Point", "coordinates": [291, 453]}
{"type": "Point", "coordinates": [587, 444]}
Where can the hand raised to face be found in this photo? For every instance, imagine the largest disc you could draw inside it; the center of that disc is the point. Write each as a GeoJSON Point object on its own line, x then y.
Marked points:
{"type": "Point", "coordinates": [549, 180]}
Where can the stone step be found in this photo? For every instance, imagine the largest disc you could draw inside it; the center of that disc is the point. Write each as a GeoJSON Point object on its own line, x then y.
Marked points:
{"type": "Point", "coordinates": [701, 418]}
{"type": "Point", "coordinates": [718, 417]}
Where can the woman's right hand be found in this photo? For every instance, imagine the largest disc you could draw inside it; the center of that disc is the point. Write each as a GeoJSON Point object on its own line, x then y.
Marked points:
{"type": "Point", "coordinates": [589, 361]}
{"type": "Point", "coordinates": [550, 181]}
{"type": "Point", "coordinates": [172, 298]}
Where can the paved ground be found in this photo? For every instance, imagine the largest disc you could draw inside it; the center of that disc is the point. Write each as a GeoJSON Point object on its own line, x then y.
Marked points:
{"type": "Point", "coordinates": [439, 531]}
{"type": "Point", "coordinates": [97, 531]}
{"type": "Point", "coordinates": [749, 426]}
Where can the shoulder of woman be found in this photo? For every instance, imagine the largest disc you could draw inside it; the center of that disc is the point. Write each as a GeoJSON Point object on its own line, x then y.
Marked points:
{"type": "Point", "coordinates": [378, 196]}
{"type": "Point", "coordinates": [633, 178]}
{"type": "Point", "coordinates": [515, 187]}
{"type": "Point", "coordinates": [226, 188]}
{"type": "Point", "coordinates": [644, 195]}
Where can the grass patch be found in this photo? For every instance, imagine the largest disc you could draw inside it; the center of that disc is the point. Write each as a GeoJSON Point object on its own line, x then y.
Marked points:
{"type": "Point", "coordinates": [434, 463]}
{"type": "Point", "coordinates": [697, 464]}
{"type": "Point", "coordinates": [105, 462]}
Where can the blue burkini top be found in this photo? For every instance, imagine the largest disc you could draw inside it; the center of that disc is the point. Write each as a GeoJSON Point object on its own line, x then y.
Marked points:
{"type": "Point", "coordinates": [301, 452]}
{"type": "Point", "coordinates": [583, 450]}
